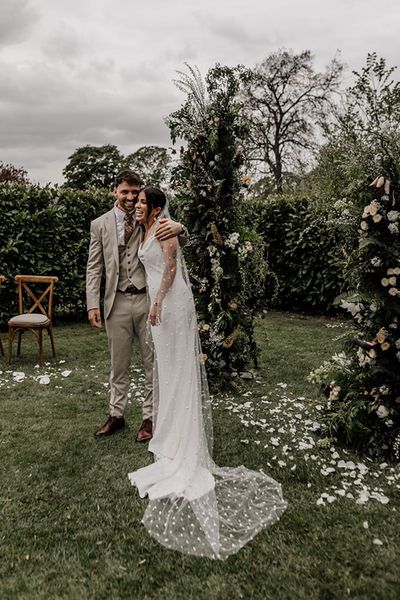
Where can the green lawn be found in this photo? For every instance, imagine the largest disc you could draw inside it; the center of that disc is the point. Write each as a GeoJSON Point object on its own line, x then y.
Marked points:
{"type": "Point", "coordinates": [70, 521]}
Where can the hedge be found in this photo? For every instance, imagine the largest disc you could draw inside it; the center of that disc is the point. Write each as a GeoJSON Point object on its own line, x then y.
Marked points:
{"type": "Point", "coordinates": [45, 231]}
{"type": "Point", "coordinates": [306, 248]}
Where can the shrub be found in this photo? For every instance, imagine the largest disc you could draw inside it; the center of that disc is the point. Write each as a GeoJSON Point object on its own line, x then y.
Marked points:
{"type": "Point", "coordinates": [306, 248]}
{"type": "Point", "coordinates": [45, 231]}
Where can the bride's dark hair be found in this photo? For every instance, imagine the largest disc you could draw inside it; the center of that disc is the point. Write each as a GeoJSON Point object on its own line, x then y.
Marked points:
{"type": "Point", "coordinates": [155, 198]}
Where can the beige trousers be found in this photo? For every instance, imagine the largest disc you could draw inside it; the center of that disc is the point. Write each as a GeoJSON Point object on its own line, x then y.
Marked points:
{"type": "Point", "coordinates": [128, 318]}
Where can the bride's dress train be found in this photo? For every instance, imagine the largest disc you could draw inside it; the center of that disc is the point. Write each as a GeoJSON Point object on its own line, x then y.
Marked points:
{"type": "Point", "coordinates": [194, 506]}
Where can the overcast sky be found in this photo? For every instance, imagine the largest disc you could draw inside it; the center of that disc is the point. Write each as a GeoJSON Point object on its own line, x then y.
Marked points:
{"type": "Point", "coordinates": [76, 72]}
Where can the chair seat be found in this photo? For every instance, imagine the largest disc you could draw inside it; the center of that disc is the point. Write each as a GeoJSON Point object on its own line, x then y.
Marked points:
{"type": "Point", "coordinates": [29, 320]}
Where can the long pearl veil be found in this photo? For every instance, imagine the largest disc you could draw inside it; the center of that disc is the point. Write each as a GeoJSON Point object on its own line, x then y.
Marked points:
{"type": "Point", "coordinates": [219, 509]}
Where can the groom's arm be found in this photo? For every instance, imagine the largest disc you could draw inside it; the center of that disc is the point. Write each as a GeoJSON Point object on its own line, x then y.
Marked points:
{"type": "Point", "coordinates": [94, 271]}
{"type": "Point", "coordinates": [167, 228]}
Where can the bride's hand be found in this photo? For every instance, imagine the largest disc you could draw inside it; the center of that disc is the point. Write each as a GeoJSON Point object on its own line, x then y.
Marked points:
{"type": "Point", "coordinates": [155, 314]}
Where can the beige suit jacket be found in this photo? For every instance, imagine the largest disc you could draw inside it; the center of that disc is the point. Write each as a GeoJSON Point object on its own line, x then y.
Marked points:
{"type": "Point", "coordinates": [103, 254]}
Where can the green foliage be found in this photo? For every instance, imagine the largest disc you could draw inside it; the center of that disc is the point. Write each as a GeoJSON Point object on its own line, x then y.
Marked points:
{"type": "Point", "coordinates": [93, 166]}
{"type": "Point", "coordinates": [11, 173]}
{"type": "Point", "coordinates": [152, 163]}
{"type": "Point", "coordinates": [364, 136]}
{"type": "Point", "coordinates": [306, 248]}
{"type": "Point", "coordinates": [225, 257]}
{"type": "Point", "coordinates": [364, 391]}
{"type": "Point", "coordinates": [45, 231]}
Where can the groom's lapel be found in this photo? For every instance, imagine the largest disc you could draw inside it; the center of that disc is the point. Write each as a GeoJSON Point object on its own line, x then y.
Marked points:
{"type": "Point", "coordinates": [111, 226]}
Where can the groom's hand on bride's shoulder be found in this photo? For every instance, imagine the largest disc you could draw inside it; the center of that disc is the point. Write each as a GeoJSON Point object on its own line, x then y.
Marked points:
{"type": "Point", "coordinates": [95, 318]}
{"type": "Point", "coordinates": [167, 228]}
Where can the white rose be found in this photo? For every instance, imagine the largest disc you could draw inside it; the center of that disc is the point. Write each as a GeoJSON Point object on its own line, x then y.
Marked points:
{"type": "Point", "coordinates": [393, 215]}
{"type": "Point", "coordinates": [382, 411]}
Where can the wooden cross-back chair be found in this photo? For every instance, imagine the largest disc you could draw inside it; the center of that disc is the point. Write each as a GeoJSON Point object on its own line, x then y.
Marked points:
{"type": "Point", "coordinates": [2, 280]}
{"type": "Point", "coordinates": [37, 317]}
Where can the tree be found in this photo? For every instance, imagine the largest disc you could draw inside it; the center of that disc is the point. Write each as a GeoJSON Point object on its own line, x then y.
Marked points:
{"type": "Point", "coordinates": [152, 163]}
{"type": "Point", "coordinates": [364, 137]}
{"type": "Point", "coordinates": [284, 99]}
{"type": "Point", "coordinates": [10, 173]}
{"type": "Point", "coordinates": [93, 166]}
{"type": "Point", "coordinates": [225, 258]}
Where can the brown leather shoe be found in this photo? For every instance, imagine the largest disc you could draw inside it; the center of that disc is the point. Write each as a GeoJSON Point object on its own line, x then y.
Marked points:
{"type": "Point", "coordinates": [145, 432]}
{"type": "Point", "coordinates": [112, 425]}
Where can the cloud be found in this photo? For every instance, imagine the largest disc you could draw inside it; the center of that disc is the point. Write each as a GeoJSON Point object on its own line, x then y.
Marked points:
{"type": "Point", "coordinates": [76, 72]}
{"type": "Point", "coordinates": [18, 21]}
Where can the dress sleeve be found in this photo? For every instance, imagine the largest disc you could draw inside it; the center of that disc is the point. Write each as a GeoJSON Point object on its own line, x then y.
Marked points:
{"type": "Point", "coordinates": [170, 250]}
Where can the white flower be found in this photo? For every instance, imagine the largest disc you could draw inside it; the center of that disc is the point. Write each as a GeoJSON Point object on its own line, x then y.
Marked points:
{"type": "Point", "coordinates": [377, 218]}
{"type": "Point", "coordinates": [393, 291]}
{"type": "Point", "coordinates": [352, 307]}
{"type": "Point", "coordinates": [232, 240]}
{"type": "Point", "coordinates": [392, 280]}
{"type": "Point", "coordinates": [393, 215]}
{"type": "Point", "coordinates": [393, 228]}
{"type": "Point", "coordinates": [364, 225]}
{"type": "Point", "coordinates": [376, 261]}
{"type": "Point", "coordinates": [363, 359]}
{"type": "Point", "coordinates": [382, 411]}
{"type": "Point", "coordinates": [384, 390]}
{"type": "Point", "coordinates": [385, 282]}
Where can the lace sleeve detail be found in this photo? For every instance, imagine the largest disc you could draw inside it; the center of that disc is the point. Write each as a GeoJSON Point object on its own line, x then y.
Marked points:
{"type": "Point", "coordinates": [170, 251]}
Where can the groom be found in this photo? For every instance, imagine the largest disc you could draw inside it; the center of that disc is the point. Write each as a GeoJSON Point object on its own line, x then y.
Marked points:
{"type": "Point", "coordinates": [114, 244]}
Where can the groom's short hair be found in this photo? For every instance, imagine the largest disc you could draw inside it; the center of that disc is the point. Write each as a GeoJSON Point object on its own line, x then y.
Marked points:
{"type": "Point", "coordinates": [128, 176]}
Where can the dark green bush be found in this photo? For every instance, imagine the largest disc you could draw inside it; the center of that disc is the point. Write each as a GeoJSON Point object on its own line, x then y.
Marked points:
{"type": "Point", "coordinates": [306, 248]}
{"type": "Point", "coordinates": [45, 231]}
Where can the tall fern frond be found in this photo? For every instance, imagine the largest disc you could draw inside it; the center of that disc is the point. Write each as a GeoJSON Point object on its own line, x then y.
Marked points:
{"type": "Point", "coordinates": [192, 84]}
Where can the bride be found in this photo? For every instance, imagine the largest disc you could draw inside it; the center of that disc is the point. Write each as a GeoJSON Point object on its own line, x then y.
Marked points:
{"type": "Point", "coordinates": [194, 506]}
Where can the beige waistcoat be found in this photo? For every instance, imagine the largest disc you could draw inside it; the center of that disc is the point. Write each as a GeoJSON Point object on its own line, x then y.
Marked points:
{"type": "Point", "coordinates": [121, 264]}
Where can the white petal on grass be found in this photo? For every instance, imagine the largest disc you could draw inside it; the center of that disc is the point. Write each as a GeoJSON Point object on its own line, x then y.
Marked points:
{"type": "Point", "coordinates": [18, 376]}
{"type": "Point", "coordinates": [377, 542]}
{"type": "Point", "coordinates": [44, 379]}
{"type": "Point", "coordinates": [66, 373]}
{"type": "Point", "coordinates": [365, 524]}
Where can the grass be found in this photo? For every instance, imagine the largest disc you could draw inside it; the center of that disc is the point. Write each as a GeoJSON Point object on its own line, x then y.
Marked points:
{"type": "Point", "coordinates": [70, 521]}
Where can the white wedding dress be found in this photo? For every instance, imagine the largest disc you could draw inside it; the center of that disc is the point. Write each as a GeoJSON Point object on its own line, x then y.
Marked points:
{"type": "Point", "coordinates": [194, 506]}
